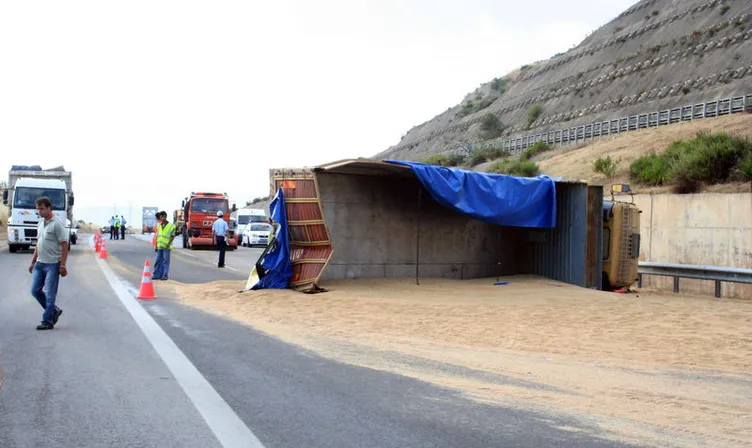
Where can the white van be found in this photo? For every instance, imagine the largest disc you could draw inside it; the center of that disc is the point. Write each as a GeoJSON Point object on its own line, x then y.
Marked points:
{"type": "Point", "coordinates": [246, 216]}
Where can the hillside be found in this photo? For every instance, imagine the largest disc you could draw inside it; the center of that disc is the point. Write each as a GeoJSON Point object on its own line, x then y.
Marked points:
{"type": "Point", "coordinates": [656, 55]}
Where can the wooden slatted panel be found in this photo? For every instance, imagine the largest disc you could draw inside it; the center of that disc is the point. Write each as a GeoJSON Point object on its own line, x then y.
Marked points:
{"type": "Point", "coordinates": [310, 243]}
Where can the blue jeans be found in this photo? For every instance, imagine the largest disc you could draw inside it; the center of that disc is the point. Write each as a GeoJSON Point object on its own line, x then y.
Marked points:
{"type": "Point", "coordinates": [44, 281]}
{"type": "Point", "coordinates": [161, 264]}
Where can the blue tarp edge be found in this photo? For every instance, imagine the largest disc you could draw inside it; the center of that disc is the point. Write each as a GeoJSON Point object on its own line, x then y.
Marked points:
{"type": "Point", "coordinates": [493, 198]}
{"type": "Point", "coordinates": [276, 263]}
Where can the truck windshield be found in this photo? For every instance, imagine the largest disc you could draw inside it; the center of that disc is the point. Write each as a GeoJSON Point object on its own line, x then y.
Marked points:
{"type": "Point", "coordinates": [260, 227]}
{"type": "Point", "coordinates": [26, 197]}
{"type": "Point", "coordinates": [245, 219]}
{"type": "Point", "coordinates": [210, 205]}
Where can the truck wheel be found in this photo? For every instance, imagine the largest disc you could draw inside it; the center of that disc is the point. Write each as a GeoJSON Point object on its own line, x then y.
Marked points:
{"type": "Point", "coordinates": [605, 284]}
{"type": "Point", "coordinates": [12, 249]}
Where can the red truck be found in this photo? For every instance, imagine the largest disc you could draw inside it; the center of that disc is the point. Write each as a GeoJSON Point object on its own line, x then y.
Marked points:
{"type": "Point", "coordinates": [200, 212]}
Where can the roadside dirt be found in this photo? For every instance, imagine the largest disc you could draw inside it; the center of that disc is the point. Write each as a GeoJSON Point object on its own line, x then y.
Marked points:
{"type": "Point", "coordinates": [576, 163]}
{"type": "Point", "coordinates": [647, 367]}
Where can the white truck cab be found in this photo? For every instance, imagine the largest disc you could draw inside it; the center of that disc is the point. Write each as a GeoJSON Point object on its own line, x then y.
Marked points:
{"type": "Point", "coordinates": [23, 217]}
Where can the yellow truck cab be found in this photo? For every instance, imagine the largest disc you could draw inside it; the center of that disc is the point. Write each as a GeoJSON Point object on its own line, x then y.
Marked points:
{"type": "Point", "coordinates": [621, 241]}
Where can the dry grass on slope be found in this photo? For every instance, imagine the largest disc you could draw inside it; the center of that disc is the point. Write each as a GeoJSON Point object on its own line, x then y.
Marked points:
{"type": "Point", "coordinates": [575, 163]}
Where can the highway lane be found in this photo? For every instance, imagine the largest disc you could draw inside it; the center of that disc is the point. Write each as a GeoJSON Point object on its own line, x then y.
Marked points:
{"type": "Point", "coordinates": [96, 381]}
{"type": "Point", "coordinates": [92, 381]}
{"type": "Point", "coordinates": [196, 266]}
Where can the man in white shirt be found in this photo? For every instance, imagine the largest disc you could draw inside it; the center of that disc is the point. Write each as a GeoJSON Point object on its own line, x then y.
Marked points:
{"type": "Point", "coordinates": [219, 236]}
{"type": "Point", "coordinates": [123, 222]}
{"type": "Point", "coordinates": [48, 263]}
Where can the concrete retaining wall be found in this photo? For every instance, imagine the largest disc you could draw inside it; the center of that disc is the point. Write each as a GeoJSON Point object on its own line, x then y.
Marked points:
{"type": "Point", "coordinates": [703, 229]}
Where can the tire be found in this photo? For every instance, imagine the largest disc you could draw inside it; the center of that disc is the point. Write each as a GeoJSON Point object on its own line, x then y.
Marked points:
{"type": "Point", "coordinates": [185, 241]}
{"type": "Point", "coordinates": [605, 284]}
{"type": "Point", "coordinates": [12, 249]}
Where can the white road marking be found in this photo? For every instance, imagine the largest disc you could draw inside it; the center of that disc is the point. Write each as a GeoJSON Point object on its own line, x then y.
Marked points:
{"type": "Point", "coordinates": [222, 420]}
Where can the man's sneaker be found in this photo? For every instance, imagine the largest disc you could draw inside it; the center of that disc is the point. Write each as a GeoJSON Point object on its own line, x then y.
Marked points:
{"type": "Point", "coordinates": [45, 326]}
{"type": "Point", "coordinates": [57, 316]}
{"type": "Point", "coordinates": [163, 278]}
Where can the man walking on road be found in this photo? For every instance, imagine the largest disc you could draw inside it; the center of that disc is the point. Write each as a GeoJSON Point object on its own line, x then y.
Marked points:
{"type": "Point", "coordinates": [219, 233]}
{"type": "Point", "coordinates": [48, 262]}
{"type": "Point", "coordinates": [123, 222]}
{"type": "Point", "coordinates": [165, 236]}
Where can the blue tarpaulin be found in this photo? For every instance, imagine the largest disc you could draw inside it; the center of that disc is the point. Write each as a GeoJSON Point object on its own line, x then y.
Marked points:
{"type": "Point", "coordinates": [274, 268]}
{"type": "Point", "coordinates": [492, 198]}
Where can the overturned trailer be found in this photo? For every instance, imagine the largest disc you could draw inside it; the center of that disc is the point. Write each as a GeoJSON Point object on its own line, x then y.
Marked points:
{"type": "Point", "coordinates": [361, 218]}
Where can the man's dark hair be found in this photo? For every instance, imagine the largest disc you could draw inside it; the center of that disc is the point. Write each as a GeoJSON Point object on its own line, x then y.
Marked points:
{"type": "Point", "coordinates": [44, 201]}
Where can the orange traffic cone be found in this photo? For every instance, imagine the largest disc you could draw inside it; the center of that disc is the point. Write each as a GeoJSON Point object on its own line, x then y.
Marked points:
{"type": "Point", "coordinates": [103, 252]}
{"type": "Point", "coordinates": [154, 240]}
{"type": "Point", "coordinates": [147, 287]}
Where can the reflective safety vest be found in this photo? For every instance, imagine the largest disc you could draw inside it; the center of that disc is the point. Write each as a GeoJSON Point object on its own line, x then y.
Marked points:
{"type": "Point", "coordinates": [164, 234]}
{"type": "Point", "coordinates": [117, 223]}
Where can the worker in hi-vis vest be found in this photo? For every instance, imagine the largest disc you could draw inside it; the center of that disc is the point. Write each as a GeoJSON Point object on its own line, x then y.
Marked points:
{"type": "Point", "coordinates": [117, 227]}
{"type": "Point", "coordinates": [165, 236]}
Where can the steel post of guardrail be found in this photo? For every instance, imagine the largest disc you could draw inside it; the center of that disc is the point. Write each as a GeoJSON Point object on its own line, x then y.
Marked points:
{"type": "Point", "coordinates": [678, 271]}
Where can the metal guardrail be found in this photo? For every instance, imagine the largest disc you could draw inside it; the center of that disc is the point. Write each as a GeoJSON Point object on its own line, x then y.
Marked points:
{"type": "Point", "coordinates": [677, 271]}
{"type": "Point", "coordinates": [577, 134]}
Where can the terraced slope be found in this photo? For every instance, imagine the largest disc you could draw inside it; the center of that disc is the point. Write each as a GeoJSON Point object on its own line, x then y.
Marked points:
{"type": "Point", "coordinates": [656, 55]}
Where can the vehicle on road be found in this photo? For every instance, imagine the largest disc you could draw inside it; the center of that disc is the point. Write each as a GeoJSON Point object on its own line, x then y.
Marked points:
{"type": "Point", "coordinates": [179, 220]}
{"type": "Point", "coordinates": [25, 185]}
{"type": "Point", "coordinates": [257, 234]}
{"type": "Point", "coordinates": [200, 211]}
{"type": "Point", "coordinates": [72, 232]}
{"type": "Point", "coordinates": [621, 241]}
{"type": "Point", "coordinates": [149, 220]}
{"type": "Point", "coordinates": [246, 216]}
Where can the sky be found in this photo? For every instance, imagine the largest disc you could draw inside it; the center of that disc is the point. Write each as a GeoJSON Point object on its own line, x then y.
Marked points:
{"type": "Point", "coordinates": [146, 101]}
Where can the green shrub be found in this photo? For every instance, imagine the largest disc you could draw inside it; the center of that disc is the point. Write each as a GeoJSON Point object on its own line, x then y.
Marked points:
{"type": "Point", "coordinates": [604, 165]}
{"type": "Point", "coordinates": [491, 126]}
{"type": "Point", "coordinates": [484, 104]}
{"type": "Point", "coordinates": [651, 169]}
{"type": "Point", "coordinates": [533, 113]}
{"type": "Point", "coordinates": [500, 84]}
{"type": "Point", "coordinates": [446, 160]}
{"type": "Point", "coordinates": [516, 167]}
{"type": "Point", "coordinates": [707, 158]}
{"type": "Point", "coordinates": [537, 148]}
{"type": "Point", "coordinates": [745, 167]}
{"type": "Point", "coordinates": [487, 155]}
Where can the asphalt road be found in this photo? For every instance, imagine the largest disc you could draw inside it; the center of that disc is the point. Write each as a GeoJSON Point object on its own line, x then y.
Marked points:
{"type": "Point", "coordinates": [99, 378]}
